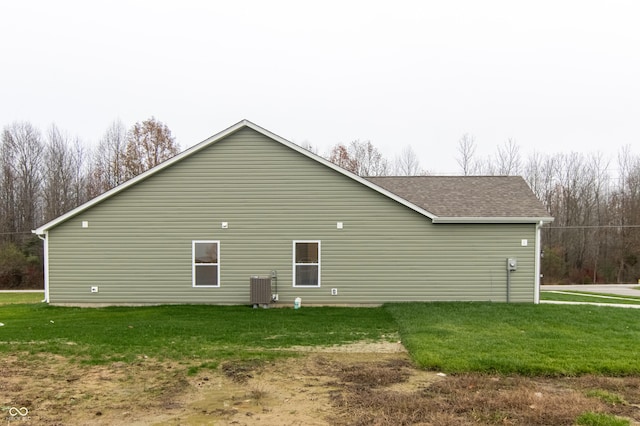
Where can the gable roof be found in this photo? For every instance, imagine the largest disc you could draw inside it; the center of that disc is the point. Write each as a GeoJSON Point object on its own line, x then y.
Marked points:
{"type": "Point", "coordinates": [469, 198]}
{"type": "Point", "coordinates": [204, 144]}
{"type": "Point", "coordinates": [230, 130]}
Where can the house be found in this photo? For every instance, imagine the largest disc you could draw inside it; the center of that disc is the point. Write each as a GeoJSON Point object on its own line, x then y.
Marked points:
{"type": "Point", "coordinates": [247, 202]}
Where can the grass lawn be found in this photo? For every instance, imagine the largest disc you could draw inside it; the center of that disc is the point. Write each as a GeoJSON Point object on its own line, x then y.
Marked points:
{"type": "Point", "coordinates": [21, 297]}
{"type": "Point", "coordinates": [520, 338]}
{"type": "Point", "coordinates": [550, 340]}
{"type": "Point", "coordinates": [183, 332]}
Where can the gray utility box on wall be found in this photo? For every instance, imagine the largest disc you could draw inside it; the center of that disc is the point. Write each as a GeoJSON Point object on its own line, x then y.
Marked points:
{"type": "Point", "coordinates": [260, 290]}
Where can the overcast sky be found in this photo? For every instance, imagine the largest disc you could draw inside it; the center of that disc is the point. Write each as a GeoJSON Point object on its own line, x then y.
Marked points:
{"type": "Point", "coordinates": [556, 76]}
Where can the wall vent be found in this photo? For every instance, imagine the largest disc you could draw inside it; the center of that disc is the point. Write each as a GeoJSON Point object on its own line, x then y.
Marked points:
{"type": "Point", "coordinates": [260, 290]}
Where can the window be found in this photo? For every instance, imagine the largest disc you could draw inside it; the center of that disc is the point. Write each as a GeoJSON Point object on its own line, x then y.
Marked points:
{"type": "Point", "coordinates": [306, 263]}
{"type": "Point", "coordinates": [206, 264]}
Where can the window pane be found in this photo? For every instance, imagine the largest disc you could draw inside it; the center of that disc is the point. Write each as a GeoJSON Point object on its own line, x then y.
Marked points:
{"type": "Point", "coordinates": [206, 253]}
{"type": "Point", "coordinates": [306, 252]}
{"type": "Point", "coordinates": [307, 275]}
{"type": "Point", "coordinates": [206, 274]}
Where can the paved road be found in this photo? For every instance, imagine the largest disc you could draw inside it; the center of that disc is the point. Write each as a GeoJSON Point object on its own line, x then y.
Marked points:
{"type": "Point", "coordinates": [618, 289]}
{"type": "Point", "coordinates": [621, 289]}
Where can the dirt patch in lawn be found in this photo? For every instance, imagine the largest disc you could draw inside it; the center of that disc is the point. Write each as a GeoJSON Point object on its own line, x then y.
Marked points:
{"type": "Point", "coordinates": [361, 384]}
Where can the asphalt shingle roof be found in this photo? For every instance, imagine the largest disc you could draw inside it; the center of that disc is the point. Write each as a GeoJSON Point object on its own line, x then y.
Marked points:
{"type": "Point", "coordinates": [466, 196]}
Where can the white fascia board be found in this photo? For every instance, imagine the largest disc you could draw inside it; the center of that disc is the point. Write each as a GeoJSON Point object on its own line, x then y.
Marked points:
{"type": "Point", "coordinates": [493, 220]}
{"type": "Point", "coordinates": [218, 136]}
{"type": "Point", "coordinates": [46, 267]}
{"type": "Point", "coordinates": [537, 265]}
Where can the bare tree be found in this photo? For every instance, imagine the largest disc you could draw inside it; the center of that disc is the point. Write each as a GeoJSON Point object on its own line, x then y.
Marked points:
{"type": "Point", "coordinates": [8, 193]}
{"type": "Point", "coordinates": [370, 161]}
{"type": "Point", "coordinates": [22, 149]}
{"type": "Point", "coordinates": [466, 152]}
{"type": "Point", "coordinates": [80, 165]}
{"type": "Point", "coordinates": [541, 172]}
{"type": "Point", "coordinates": [148, 144]}
{"type": "Point", "coordinates": [59, 174]}
{"type": "Point", "coordinates": [340, 156]}
{"type": "Point", "coordinates": [65, 176]}
{"type": "Point", "coordinates": [407, 163]}
{"type": "Point", "coordinates": [508, 158]}
{"type": "Point", "coordinates": [108, 169]}
{"type": "Point", "coordinates": [361, 158]}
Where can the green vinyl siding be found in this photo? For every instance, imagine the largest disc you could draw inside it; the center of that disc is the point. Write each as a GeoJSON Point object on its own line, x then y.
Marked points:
{"type": "Point", "coordinates": [138, 246]}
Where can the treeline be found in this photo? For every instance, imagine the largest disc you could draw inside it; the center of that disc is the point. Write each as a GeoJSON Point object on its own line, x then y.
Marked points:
{"type": "Point", "coordinates": [596, 234]}
{"type": "Point", "coordinates": [45, 175]}
{"type": "Point", "coordinates": [596, 204]}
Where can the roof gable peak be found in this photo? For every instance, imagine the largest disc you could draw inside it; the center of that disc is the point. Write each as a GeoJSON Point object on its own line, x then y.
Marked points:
{"type": "Point", "coordinates": [244, 123]}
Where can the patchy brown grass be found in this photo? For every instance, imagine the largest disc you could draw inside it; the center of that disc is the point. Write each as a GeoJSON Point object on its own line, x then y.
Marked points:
{"type": "Point", "coordinates": [57, 391]}
{"type": "Point", "coordinates": [472, 399]}
{"type": "Point", "coordinates": [240, 371]}
{"type": "Point", "coordinates": [323, 388]}
{"type": "Point", "coordinates": [359, 376]}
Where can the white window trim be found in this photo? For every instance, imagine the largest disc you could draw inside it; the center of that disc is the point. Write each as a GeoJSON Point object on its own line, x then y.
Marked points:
{"type": "Point", "coordinates": [309, 264]}
{"type": "Point", "coordinates": [193, 263]}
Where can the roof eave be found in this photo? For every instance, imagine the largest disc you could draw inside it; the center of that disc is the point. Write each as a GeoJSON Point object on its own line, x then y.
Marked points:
{"type": "Point", "coordinates": [539, 220]}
